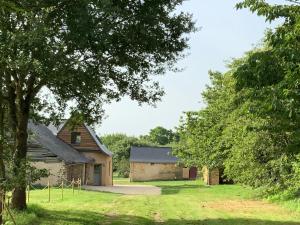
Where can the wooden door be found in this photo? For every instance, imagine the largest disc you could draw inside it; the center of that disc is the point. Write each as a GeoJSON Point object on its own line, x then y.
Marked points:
{"type": "Point", "coordinates": [193, 173]}
{"type": "Point", "coordinates": [97, 174]}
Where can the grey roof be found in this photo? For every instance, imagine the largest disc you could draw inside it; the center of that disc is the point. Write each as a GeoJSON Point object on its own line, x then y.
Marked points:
{"type": "Point", "coordinates": [152, 155]}
{"type": "Point", "coordinates": [55, 130]}
{"type": "Point", "coordinates": [44, 137]}
{"type": "Point", "coordinates": [103, 148]}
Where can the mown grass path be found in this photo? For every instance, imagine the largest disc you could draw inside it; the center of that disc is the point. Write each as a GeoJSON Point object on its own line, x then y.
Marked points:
{"type": "Point", "coordinates": [181, 202]}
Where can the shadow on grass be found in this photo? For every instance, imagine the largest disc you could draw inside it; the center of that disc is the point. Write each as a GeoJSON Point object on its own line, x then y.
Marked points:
{"type": "Point", "coordinates": [171, 190]}
{"type": "Point", "coordinates": [77, 217]}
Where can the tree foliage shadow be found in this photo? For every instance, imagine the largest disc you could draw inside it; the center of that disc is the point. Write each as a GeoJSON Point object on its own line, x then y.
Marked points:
{"type": "Point", "coordinates": [171, 190]}
{"type": "Point", "coordinates": [81, 217]}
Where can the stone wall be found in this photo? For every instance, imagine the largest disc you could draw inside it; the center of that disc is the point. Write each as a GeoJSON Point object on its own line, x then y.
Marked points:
{"type": "Point", "coordinates": [89, 148]}
{"type": "Point", "coordinates": [75, 171]}
{"type": "Point", "coordinates": [106, 163]}
{"type": "Point", "coordinates": [155, 171]}
{"type": "Point", "coordinates": [57, 171]}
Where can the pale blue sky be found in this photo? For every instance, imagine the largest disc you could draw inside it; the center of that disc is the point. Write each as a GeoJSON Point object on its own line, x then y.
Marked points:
{"type": "Point", "coordinates": [226, 33]}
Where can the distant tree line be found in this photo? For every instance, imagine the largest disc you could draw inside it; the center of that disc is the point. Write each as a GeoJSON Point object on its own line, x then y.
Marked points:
{"type": "Point", "coordinates": [250, 126]}
{"type": "Point", "coordinates": [120, 145]}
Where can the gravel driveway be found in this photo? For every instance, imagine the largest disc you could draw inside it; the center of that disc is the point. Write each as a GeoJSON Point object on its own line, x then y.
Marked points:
{"type": "Point", "coordinates": [126, 189]}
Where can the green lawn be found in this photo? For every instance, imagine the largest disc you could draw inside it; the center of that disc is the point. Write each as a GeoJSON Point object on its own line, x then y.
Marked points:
{"type": "Point", "coordinates": [181, 202]}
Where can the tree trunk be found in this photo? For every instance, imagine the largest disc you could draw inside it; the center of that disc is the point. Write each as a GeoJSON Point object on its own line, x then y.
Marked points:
{"type": "Point", "coordinates": [20, 97]}
{"type": "Point", "coordinates": [2, 166]}
{"type": "Point", "coordinates": [2, 176]}
{"type": "Point", "coordinates": [19, 170]}
{"type": "Point", "coordinates": [19, 198]}
{"type": "Point", "coordinates": [2, 173]}
{"type": "Point", "coordinates": [1, 207]}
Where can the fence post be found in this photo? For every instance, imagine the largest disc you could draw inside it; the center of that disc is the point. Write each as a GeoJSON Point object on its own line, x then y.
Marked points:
{"type": "Point", "coordinates": [28, 193]}
{"type": "Point", "coordinates": [73, 181]}
{"type": "Point", "coordinates": [78, 185]}
{"type": "Point", "coordinates": [62, 190]}
{"type": "Point", "coordinates": [49, 191]}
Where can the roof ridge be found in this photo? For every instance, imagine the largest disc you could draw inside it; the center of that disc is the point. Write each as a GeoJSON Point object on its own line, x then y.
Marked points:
{"type": "Point", "coordinates": [58, 147]}
{"type": "Point", "coordinates": [152, 155]}
{"type": "Point", "coordinates": [102, 147]}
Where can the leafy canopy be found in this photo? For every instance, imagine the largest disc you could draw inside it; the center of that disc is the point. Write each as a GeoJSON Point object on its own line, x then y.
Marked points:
{"type": "Point", "coordinates": [86, 53]}
{"type": "Point", "coordinates": [250, 125]}
{"type": "Point", "coordinates": [161, 136]}
{"type": "Point", "coordinates": [91, 51]}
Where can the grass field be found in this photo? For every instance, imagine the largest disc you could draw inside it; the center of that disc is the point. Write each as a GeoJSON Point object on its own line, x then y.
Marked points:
{"type": "Point", "coordinates": [181, 202]}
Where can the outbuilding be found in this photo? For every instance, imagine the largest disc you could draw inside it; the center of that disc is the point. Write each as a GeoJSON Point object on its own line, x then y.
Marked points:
{"type": "Point", "coordinates": [157, 163]}
{"type": "Point", "coordinates": [69, 153]}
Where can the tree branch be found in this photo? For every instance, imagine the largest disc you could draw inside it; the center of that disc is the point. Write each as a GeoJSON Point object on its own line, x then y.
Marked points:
{"type": "Point", "coordinates": [294, 1]}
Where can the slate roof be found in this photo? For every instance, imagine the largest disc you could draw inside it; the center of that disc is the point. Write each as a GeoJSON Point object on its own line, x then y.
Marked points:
{"type": "Point", "coordinates": [56, 129]}
{"type": "Point", "coordinates": [152, 155]}
{"type": "Point", "coordinates": [42, 136]}
{"type": "Point", "coordinates": [103, 148]}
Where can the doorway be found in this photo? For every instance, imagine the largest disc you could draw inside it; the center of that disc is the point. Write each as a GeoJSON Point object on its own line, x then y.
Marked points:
{"type": "Point", "coordinates": [97, 174]}
{"type": "Point", "coordinates": [193, 173]}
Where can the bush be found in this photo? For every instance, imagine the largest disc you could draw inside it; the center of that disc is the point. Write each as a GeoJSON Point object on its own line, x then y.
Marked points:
{"type": "Point", "coordinates": [124, 168]}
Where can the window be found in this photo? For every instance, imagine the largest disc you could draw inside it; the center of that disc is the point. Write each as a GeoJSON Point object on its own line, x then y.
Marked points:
{"type": "Point", "coordinates": [75, 138]}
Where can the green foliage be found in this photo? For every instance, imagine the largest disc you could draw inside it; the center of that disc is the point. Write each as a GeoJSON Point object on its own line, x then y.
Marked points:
{"type": "Point", "coordinates": [161, 136]}
{"type": "Point", "coordinates": [250, 126]}
{"type": "Point", "coordinates": [238, 131]}
{"type": "Point", "coordinates": [90, 52]}
{"type": "Point", "coordinates": [200, 132]}
{"type": "Point", "coordinates": [32, 174]}
{"type": "Point", "coordinates": [84, 52]}
{"type": "Point", "coordinates": [120, 145]}
{"type": "Point", "coordinates": [124, 168]}
{"type": "Point", "coordinates": [262, 8]}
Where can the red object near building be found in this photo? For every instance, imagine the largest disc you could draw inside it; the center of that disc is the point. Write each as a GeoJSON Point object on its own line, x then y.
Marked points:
{"type": "Point", "coordinates": [193, 173]}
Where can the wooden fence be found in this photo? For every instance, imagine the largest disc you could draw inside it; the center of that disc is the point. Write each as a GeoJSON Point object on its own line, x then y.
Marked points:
{"type": "Point", "coordinates": [5, 206]}
{"type": "Point", "coordinates": [74, 184]}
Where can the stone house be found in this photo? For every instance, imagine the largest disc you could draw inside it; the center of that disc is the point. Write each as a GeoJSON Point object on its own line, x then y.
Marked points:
{"type": "Point", "coordinates": [69, 154]}
{"type": "Point", "coordinates": [157, 163]}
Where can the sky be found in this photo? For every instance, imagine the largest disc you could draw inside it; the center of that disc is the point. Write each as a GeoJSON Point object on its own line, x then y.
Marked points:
{"type": "Point", "coordinates": [225, 34]}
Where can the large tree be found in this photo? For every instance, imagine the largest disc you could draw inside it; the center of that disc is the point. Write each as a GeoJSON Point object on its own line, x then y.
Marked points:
{"type": "Point", "coordinates": [201, 141]}
{"type": "Point", "coordinates": [86, 51]}
{"type": "Point", "coordinates": [251, 123]}
{"type": "Point", "coordinates": [160, 136]}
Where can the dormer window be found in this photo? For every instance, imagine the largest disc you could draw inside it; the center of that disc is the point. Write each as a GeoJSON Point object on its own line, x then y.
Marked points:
{"type": "Point", "coordinates": [75, 138]}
